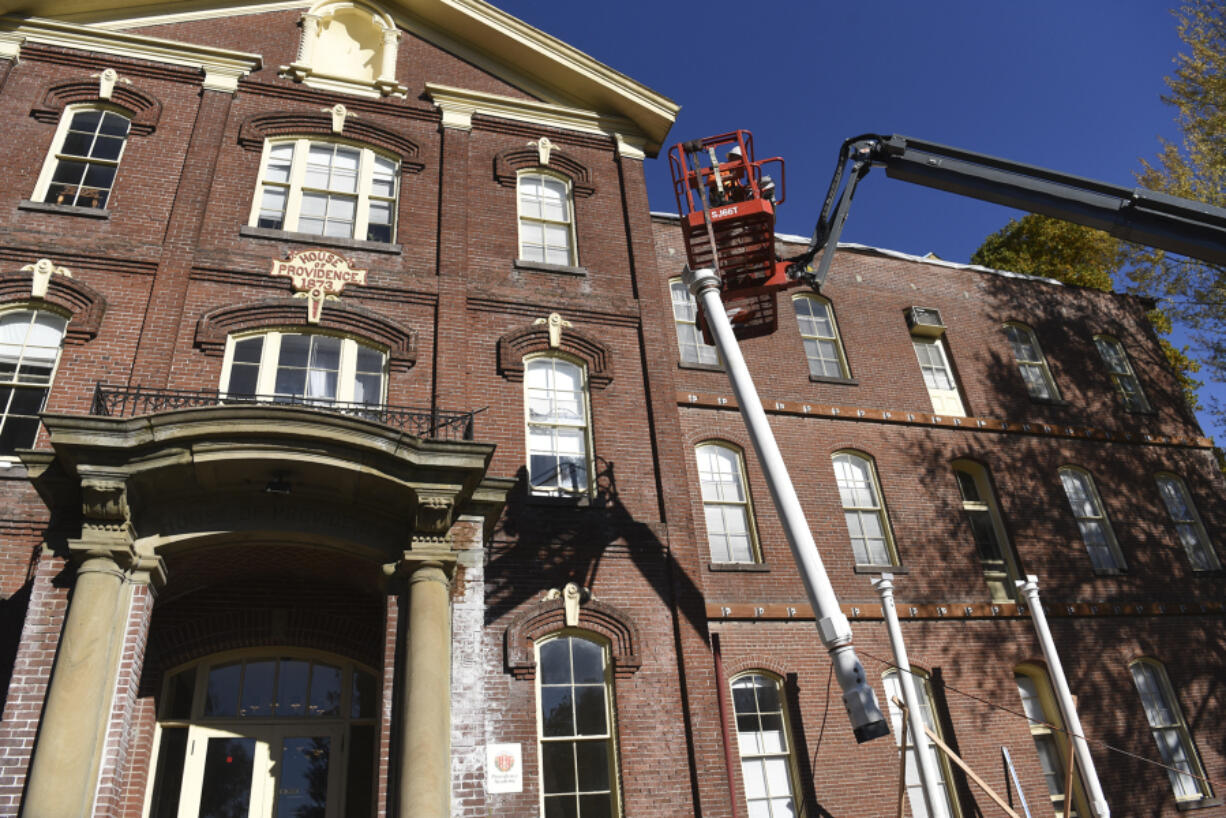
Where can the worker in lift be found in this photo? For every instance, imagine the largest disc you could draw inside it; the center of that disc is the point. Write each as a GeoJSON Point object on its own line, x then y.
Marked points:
{"type": "Point", "coordinates": [732, 175]}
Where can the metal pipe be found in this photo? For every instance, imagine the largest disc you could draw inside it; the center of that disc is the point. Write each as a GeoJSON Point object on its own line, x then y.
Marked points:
{"type": "Point", "coordinates": [1098, 802]}
{"type": "Point", "coordinates": [923, 749]}
{"type": "Point", "coordinates": [832, 626]}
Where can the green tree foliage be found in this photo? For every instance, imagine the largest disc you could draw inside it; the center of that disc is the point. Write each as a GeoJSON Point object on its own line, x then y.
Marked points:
{"type": "Point", "coordinates": [1042, 246]}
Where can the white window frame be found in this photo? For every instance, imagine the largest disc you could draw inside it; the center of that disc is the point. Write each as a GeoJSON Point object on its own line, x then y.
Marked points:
{"type": "Point", "coordinates": [813, 340]}
{"type": "Point", "coordinates": [15, 381]}
{"type": "Point", "coordinates": [944, 401]}
{"type": "Point", "coordinates": [1047, 730]}
{"type": "Point", "coordinates": [295, 186]}
{"type": "Point", "coordinates": [915, 795]}
{"type": "Point", "coordinates": [609, 736]}
{"type": "Point", "coordinates": [1002, 573]}
{"type": "Point", "coordinates": [847, 488]}
{"type": "Point", "coordinates": [1119, 367]}
{"type": "Point", "coordinates": [1041, 380]}
{"type": "Point", "coordinates": [583, 423]}
{"type": "Point", "coordinates": [1093, 516]}
{"type": "Point", "coordinates": [692, 348]}
{"type": "Point", "coordinates": [55, 156]}
{"type": "Point", "coordinates": [270, 355]}
{"type": "Point", "coordinates": [1170, 730]}
{"type": "Point", "coordinates": [572, 253]}
{"type": "Point", "coordinates": [762, 778]}
{"type": "Point", "coordinates": [1189, 529]}
{"type": "Point", "coordinates": [727, 509]}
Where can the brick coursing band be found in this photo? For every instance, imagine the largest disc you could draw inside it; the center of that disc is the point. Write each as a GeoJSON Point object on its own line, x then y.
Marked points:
{"type": "Point", "coordinates": [83, 303]}
{"type": "Point", "coordinates": [534, 338]}
{"type": "Point", "coordinates": [508, 164]}
{"type": "Point", "coordinates": [260, 127]}
{"type": "Point", "coordinates": [143, 109]}
{"type": "Point", "coordinates": [548, 617]}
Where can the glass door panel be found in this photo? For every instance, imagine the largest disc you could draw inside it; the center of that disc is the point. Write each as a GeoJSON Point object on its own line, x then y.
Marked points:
{"type": "Point", "coordinates": [303, 777]}
{"type": "Point", "coordinates": [224, 775]}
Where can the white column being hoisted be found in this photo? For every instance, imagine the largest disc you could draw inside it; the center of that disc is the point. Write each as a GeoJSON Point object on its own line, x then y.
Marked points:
{"type": "Point", "coordinates": [832, 626]}
{"type": "Point", "coordinates": [923, 751]}
{"type": "Point", "coordinates": [1098, 802]}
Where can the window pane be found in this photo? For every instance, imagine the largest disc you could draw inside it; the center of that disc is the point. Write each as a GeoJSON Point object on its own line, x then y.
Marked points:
{"type": "Point", "coordinates": [257, 697]}
{"type": "Point", "coordinates": [557, 716]}
{"type": "Point", "coordinates": [558, 767]}
{"type": "Point", "coordinates": [592, 760]}
{"type": "Point", "coordinates": [588, 662]}
{"type": "Point", "coordinates": [221, 694]}
{"type": "Point", "coordinates": [590, 710]}
{"type": "Point", "coordinates": [325, 690]}
{"type": "Point", "coordinates": [292, 687]}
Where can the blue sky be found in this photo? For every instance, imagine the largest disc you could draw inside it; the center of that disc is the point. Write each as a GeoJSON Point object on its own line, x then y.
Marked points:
{"type": "Point", "coordinates": [1074, 86]}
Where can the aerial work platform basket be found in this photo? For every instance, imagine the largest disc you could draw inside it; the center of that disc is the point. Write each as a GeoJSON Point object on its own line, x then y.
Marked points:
{"type": "Point", "coordinates": [727, 207]}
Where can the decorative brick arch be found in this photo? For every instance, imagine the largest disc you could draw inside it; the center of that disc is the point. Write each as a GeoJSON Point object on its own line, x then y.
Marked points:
{"type": "Point", "coordinates": [259, 127]}
{"type": "Point", "coordinates": [548, 617]}
{"type": "Point", "coordinates": [508, 164]}
{"type": "Point", "coordinates": [534, 339]}
{"type": "Point", "coordinates": [144, 110]}
{"type": "Point", "coordinates": [214, 326]}
{"type": "Point", "coordinates": [84, 305]}
{"type": "Point", "coordinates": [761, 663]}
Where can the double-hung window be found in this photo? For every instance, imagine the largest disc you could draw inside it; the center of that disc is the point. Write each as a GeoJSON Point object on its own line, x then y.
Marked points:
{"type": "Point", "coordinates": [80, 169]}
{"type": "Point", "coordinates": [1122, 374]}
{"type": "Point", "coordinates": [296, 367]}
{"type": "Point", "coordinates": [1188, 526]}
{"type": "Point", "coordinates": [29, 349]}
{"type": "Point", "coordinates": [987, 528]}
{"type": "Point", "coordinates": [725, 504]}
{"type": "Point", "coordinates": [820, 334]}
{"type": "Point", "coordinates": [546, 223]}
{"type": "Point", "coordinates": [938, 375]}
{"type": "Point", "coordinates": [1170, 731]}
{"type": "Point", "coordinates": [944, 804]}
{"type": "Point", "coordinates": [694, 350]}
{"type": "Point", "coordinates": [578, 749]}
{"type": "Point", "coordinates": [1031, 362]}
{"type": "Point", "coordinates": [1039, 706]}
{"type": "Point", "coordinates": [555, 392]}
{"type": "Point", "coordinates": [327, 189]}
{"type": "Point", "coordinates": [767, 766]}
{"type": "Point", "coordinates": [863, 510]}
{"type": "Point", "coordinates": [1092, 520]}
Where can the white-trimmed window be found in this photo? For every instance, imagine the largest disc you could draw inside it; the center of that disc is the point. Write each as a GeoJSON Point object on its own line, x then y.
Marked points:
{"type": "Point", "coordinates": [1170, 731]}
{"type": "Point", "coordinates": [946, 806]}
{"type": "Point", "coordinates": [578, 749]}
{"type": "Point", "coordinates": [84, 158]}
{"type": "Point", "coordinates": [725, 503]}
{"type": "Point", "coordinates": [694, 350]}
{"type": "Point", "coordinates": [1122, 374]}
{"type": "Point", "coordinates": [299, 367]}
{"type": "Point", "coordinates": [546, 218]}
{"type": "Point", "coordinates": [988, 530]}
{"type": "Point", "coordinates": [1186, 519]}
{"type": "Point", "coordinates": [820, 334]}
{"type": "Point", "coordinates": [768, 768]}
{"type": "Point", "coordinates": [938, 375]}
{"type": "Point", "coordinates": [1096, 530]}
{"type": "Point", "coordinates": [1031, 362]}
{"type": "Point", "coordinates": [555, 392]}
{"type": "Point", "coordinates": [863, 510]}
{"type": "Point", "coordinates": [1051, 746]}
{"type": "Point", "coordinates": [29, 350]}
{"type": "Point", "coordinates": [329, 189]}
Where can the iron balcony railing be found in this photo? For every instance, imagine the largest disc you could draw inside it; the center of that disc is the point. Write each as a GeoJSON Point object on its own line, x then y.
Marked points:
{"type": "Point", "coordinates": [131, 401]}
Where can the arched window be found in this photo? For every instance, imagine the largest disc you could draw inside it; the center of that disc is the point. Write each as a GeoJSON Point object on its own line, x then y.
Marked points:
{"type": "Point", "coordinates": [300, 367]}
{"type": "Point", "coordinates": [946, 806]}
{"type": "Point", "coordinates": [555, 403]}
{"type": "Point", "coordinates": [84, 158]}
{"type": "Point", "coordinates": [1187, 522]}
{"type": "Point", "coordinates": [330, 189]}
{"type": "Point", "coordinates": [988, 529]}
{"type": "Point", "coordinates": [29, 350]}
{"type": "Point", "coordinates": [1122, 374]}
{"type": "Point", "coordinates": [546, 220]}
{"type": "Point", "coordinates": [768, 768]}
{"type": "Point", "coordinates": [694, 350]}
{"type": "Point", "coordinates": [725, 504]}
{"type": "Point", "coordinates": [294, 731]}
{"type": "Point", "coordinates": [1170, 731]}
{"type": "Point", "coordinates": [867, 524]}
{"type": "Point", "coordinates": [1031, 362]}
{"type": "Point", "coordinates": [577, 736]}
{"type": "Point", "coordinates": [820, 334]}
{"type": "Point", "coordinates": [1096, 531]}
{"type": "Point", "coordinates": [1050, 742]}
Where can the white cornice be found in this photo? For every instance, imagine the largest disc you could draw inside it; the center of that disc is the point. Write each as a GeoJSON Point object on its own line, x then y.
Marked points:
{"type": "Point", "coordinates": [222, 68]}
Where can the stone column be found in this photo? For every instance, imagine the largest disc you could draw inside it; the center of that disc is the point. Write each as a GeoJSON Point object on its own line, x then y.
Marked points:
{"type": "Point", "coordinates": [387, 61]}
{"type": "Point", "coordinates": [425, 707]}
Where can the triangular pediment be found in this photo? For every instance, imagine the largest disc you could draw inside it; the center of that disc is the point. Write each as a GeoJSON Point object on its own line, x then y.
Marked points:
{"type": "Point", "coordinates": [541, 65]}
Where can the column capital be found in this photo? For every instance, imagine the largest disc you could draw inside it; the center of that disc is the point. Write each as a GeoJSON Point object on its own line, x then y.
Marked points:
{"type": "Point", "coordinates": [96, 555]}
{"type": "Point", "coordinates": [414, 566]}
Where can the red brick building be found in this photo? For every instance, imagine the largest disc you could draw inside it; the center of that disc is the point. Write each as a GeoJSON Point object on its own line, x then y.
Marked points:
{"type": "Point", "coordinates": [359, 457]}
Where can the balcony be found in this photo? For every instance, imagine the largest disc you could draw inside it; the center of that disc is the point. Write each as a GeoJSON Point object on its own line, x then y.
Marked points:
{"type": "Point", "coordinates": [429, 424]}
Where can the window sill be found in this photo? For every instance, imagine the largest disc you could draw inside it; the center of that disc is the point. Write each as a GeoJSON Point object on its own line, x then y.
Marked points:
{"type": "Point", "coordinates": [309, 238]}
{"type": "Point", "coordinates": [1121, 572]}
{"type": "Point", "coordinates": [739, 567]}
{"type": "Point", "coordinates": [840, 381]}
{"type": "Point", "coordinates": [544, 267]}
{"type": "Point", "coordinates": [1049, 401]}
{"type": "Point", "coordinates": [64, 210]}
{"type": "Point", "coordinates": [566, 501]}
{"type": "Point", "coordinates": [880, 569]}
{"type": "Point", "coordinates": [11, 468]}
{"type": "Point", "coordinates": [1150, 412]}
{"type": "Point", "coordinates": [1199, 803]}
{"type": "Point", "coordinates": [703, 367]}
